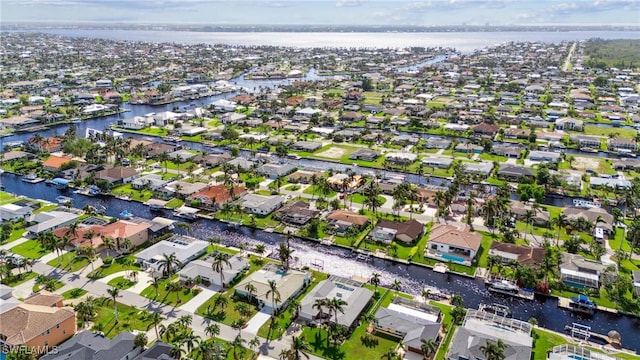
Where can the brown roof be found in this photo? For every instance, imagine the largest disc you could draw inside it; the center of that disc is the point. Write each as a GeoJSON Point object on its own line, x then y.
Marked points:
{"type": "Point", "coordinates": [43, 298]}
{"type": "Point", "coordinates": [116, 173]}
{"type": "Point", "coordinates": [411, 228]}
{"type": "Point", "coordinates": [459, 237]}
{"type": "Point", "coordinates": [486, 128]}
{"type": "Point", "coordinates": [348, 216]}
{"type": "Point", "coordinates": [26, 321]}
{"type": "Point", "coordinates": [217, 193]}
{"type": "Point", "coordinates": [56, 162]}
{"type": "Point", "coordinates": [526, 255]}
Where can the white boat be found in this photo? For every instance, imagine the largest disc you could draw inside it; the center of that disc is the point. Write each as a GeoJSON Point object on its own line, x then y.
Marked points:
{"type": "Point", "coordinates": [32, 178]}
{"type": "Point", "coordinates": [63, 199]}
{"type": "Point", "coordinates": [585, 204]}
{"type": "Point", "coordinates": [125, 214]}
{"type": "Point", "coordinates": [504, 286]}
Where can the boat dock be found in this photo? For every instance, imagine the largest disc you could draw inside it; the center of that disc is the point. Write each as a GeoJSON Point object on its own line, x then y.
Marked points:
{"type": "Point", "coordinates": [583, 332]}
{"type": "Point", "coordinates": [565, 303]}
{"type": "Point", "coordinates": [526, 295]}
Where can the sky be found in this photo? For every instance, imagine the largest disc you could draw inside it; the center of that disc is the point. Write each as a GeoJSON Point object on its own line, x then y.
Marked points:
{"type": "Point", "coordinates": [328, 12]}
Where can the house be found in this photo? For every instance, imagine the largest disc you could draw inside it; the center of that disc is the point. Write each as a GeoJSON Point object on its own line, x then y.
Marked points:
{"type": "Point", "coordinates": [479, 327]}
{"type": "Point", "coordinates": [410, 322]}
{"type": "Point", "coordinates": [477, 168]}
{"type": "Point", "coordinates": [181, 155]}
{"type": "Point", "coordinates": [14, 213]}
{"type": "Point", "coordinates": [611, 182]}
{"type": "Point", "coordinates": [89, 345]}
{"type": "Point", "coordinates": [364, 154]}
{"type": "Point", "coordinates": [48, 144]}
{"type": "Point", "coordinates": [386, 231]}
{"type": "Point", "coordinates": [224, 105]}
{"type": "Point", "coordinates": [571, 352]}
{"type": "Point", "coordinates": [544, 156]}
{"type": "Point", "coordinates": [54, 163]}
{"type": "Point", "coordinates": [486, 129]}
{"type": "Point", "coordinates": [341, 220]}
{"type": "Point", "coordinates": [469, 148]}
{"type": "Point", "coordinates": [516, 133]}
{"type": "Point", "coordinates": [184, 188]}
{"type": "Point", "coordinates": [212, 160]}
{"type": "Point", "coordinates": [435, 142]}
{"type": "Point", "coordinates": [405, 140]}
{"type": "Point", "coordinates": [622, 145]}
{"type": "Point", "coordinates": [214, 196]}
{"type": "Point", "coordinates": [447, 242]}
{"type": "Point", "coordinates": [260, 204]}
{"type": "Point", "coordinates": [40, 322]}
{"type": "Point", "coordinates": [435, 161]}
{"type": "Point", "coordinates": [203, 269]}
{"type": "Point", "coordinates": [509, 151]}
{"type": "Point", "coordinates": [274, 171]}
{"type": "Point", "coordinates": [297, 213]}
{"type": "Point", "coordinates": [117, 175]}
{"type": "Point", "coordinates": [230, 118]}
{"type": "Point", "coordinates": [401, 158]}
{"type": "Point", "coordinates": [597, 216]}
{"type": "Point", "coordinates": [185, 249]}
{"type": "Point", "coordinates": [567, 123]}
{"type": "Point", "coordinates": [538, 217]}
{"type": "Point", "coordinates": [523, 255]}
{"type": "Point", "coordinates": [304, 176]}
{"type": "Point", "coordinates": [152, 182]}
{"type": "Point", "coordinates": [306, 146]}
{"type": "Point", "coordinates": [352, 116]}
{"type": "Point", "coordinates": [241, 164]}
{"type": "Point", "coordinates": [340, 181]}
{"type": "Point", "coordinates": [586, 141]}
{"type": "Point", "coordinates": [119, 231]}
{"type": "Point", "coordinates": [636, 282]}
{"type": "Point", "coordinates": [50, 220]}
{"type": "Point", "coordinates": [514, 172]}
{"type": "Point", "coordinates": [356, 296]}
{"type": "Point", "coordinates": [578, 272]}
{"type": "Point", "coordinates": [289, 282]}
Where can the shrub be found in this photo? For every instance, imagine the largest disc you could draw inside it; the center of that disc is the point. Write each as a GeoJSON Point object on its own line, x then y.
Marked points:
{"type": "Point", "coordinates": [108, 260]}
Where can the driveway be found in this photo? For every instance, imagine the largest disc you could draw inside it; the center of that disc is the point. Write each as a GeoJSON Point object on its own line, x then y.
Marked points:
{"type": "Point", "coordinates": [198, 300]}
{"type": "Point", "coordinates": [256, 322]}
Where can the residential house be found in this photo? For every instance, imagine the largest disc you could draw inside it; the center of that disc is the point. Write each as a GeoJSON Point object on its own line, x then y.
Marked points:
{"type": "Point", "coordinates": [539, 217]}
{"type": "Point", "coordinates": [514, 172]}
{"type": "Point", "coordinates": [636, 282]}
{"type": "Point", "coordinates": [340, 220]}
{"type": "Point", "coordinates": [204, 270]}
{"type": "Point", "coordinates": [119, 231]}
{"type": "Point", "coordinates": [14, 213]}
{"type": "Point", "coordinates": [260, 204]}
{"type": "Point", "coordinates": [40, 322]}
{"type": "Point", "coordinates": [567, 123]}
{"type": "Point", "coordinates": [50, 220]}
{"type": "Point", "coordinates": [342, 182]}
{"type": "Point", "coordinates": [435, 161]}
{"type": "Point", "coordinates": [89, 345]}
{"type": "Point", "coordinates": [54, 163]}
{"type": "Point", "coordinates": [578, 272]}
{"type": "Point", "coordinates": [232, 118]}
{"type": "Point", "coordinates": [410, 322]}
{"type": "Point", "coordinates": [297, 213]}
{"type": "Point", "coordinates": [516, 133]}
{"type": "Point", "coordinates": [304, 176]}
{"type": "Point", "coordinates": [274, 171]}
{"type": "Point", "coordinates": [117, 175]}
{"type": "Point", "coordinates": [306, 146]}
{"type": "Point", "coordinates": [469, 148]}
{"type": "Point", "coordinates": [483, 168]}
{"type": "Point", "coordinates": [545, 156]}
{"type": "Point", "coordinates": [152, 182]}
{"type": "Point", "coordinates": [509, 151]}
{"type": "Point", "coordinates": [480, 327]}
{"type": "Point", "coordinates": [386, 231]}
{"type": "Point", "coordinates": [241, 164]}
{"type": "Point", "coordinates": [622, 145]}
{"type": "Point", "coordinates": [48, 144]}
{"type": "Point", "coordinates": [364, 154]}
{"type": "Point", "coordinates": [586, 141]}
{"type": "Point", "coordinates": [485, 129]}
{"type": "Point", "coordinates": [214, 196]}
{"type": "Point", "coordinates": [352, 292]}
{"type": "Point", "coordinates": [571, 352]}
{"type": "Point", "coordinates": [212, 160]}
{"type": "Point", "coordinates": [521, 254]}
{"type": "Point", "coordinates": [405, 140]}
{"type": "Point", "coordinates": [352, 116]}
{"type": "Point", "coordinates": [401, 158]}
{"type": "Point", "coordinates": [615, 183]}
{"type": "Point", "coordinates": [447, 242]}
{"type": "Point", "coordinates": [185, 249]}
{"type": "Point", "coordinates": [289, 283]}
{"type": "Point", "coordinates": [599, 217]}
{"type": "Point", "coordinates": [434, 142]}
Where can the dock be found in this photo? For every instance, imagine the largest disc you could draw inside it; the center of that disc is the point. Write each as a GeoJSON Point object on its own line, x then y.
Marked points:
{"type": "Point", "coordinates": [521, 294]}
{"type": "Point", "coordinates": [440, 268]}
{"type": "Point", "coordinates": [584, 332]}
{"type": "Point", "coordinates": [565, 303]}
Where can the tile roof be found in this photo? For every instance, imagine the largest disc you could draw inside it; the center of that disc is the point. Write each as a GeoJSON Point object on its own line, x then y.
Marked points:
{"type": "Point", "coordinates": [451, 235]}
{"type": "Point", "coordinates": [26, 321]}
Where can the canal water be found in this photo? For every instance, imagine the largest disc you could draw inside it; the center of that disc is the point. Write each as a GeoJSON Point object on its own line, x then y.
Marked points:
{"type": "Point", "coordinates": [340, 261]}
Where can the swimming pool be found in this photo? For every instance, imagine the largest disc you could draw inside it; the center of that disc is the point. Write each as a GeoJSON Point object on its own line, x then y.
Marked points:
{"type": "Point", "coordinates": [577, 357]}
{"type": "Point", "coordinates": [452, 258]}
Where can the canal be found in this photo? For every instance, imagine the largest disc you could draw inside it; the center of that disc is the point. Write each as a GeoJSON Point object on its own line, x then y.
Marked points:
{"type": "Point", "coordinates": [339, 261]}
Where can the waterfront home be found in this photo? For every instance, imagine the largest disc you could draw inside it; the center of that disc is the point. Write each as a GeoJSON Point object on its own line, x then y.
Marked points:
{"type": "Point", "coordinates": [521, 254]}
{"type": "Point", "coordinates": [54, 163]}
{"type": "Point", "coordinates": [89, 345]}
{"type": "Point", "coordinates": [260, 204]}
{"type": "Point", "coordinates": [152, 182]}
{"type": "Point", "coordinates": [626, 164]}
{"type": "Point", "coordinates": [117, 175]}
{"type": "Point", "coordinates": [386, 231]}
{"type": "Point", "coordinates": [50, 220]}
{"type": "Point", "coordinates": [519, 209]}
{"type": "Point", "coordinates": [448, 242]}
{"type": "Point", "coordinates": [586, 141]}
{"type": "Point", "coordinates": [181, 155]}
{"type": "Point", "coordinates": [404, 140]}
{"type": "Point", "coordinates": [410, 322]}
{"type": "Point", "coordinates": [154, 149]}
{"type": "Point", "coordinates": [185, 249]}
{"type": "Point", "coordinates": [514, 172]}
{"type": "Point", "coordinates": [119, 231]}
{"type": "Point", "coordinates": [340, 220]}
{"type": "Point", "coordinates": [274, 171]}
{"type": "Point", "coordinates": [40, 322]}
{"type": "Point", "coordinates": [224, 105]}
{"type": "Point", "coordinates": [509, 151]}
{"type": "Point", "coordinates": [137, 122]}
{"type": "Point", "coordinates": [289, 283]}
{"type": "Point", "coordinates": [48, 144]}
{"type": "Point", "coordinates": [364, 154]}
{"type": "Point", "coordinates": [578, 272]}
{"type": "Point", "coordinates": [469, 148]}
{"type": "Point", "coordinates": [306, 146]}
{"type": "Point", "coordinates": [17, 122]}
{"type": "Point", "coordinates": [486, 129]}
{"type": "Point", "coordinates": [516, 133]}
{"type": "Point", "coordinates": [435, 142]}
{"type": "Point", "coordinates": [567, 123]}
{"type": "Point", "coordinates": [342, 182]}
{"type": "Point", "coordinates": [356, 296]}
{"type": "Point", "coordinates": [203, 269]}
{"type": "Point", "coordinates": [212, 160]}
{"type": "Point", "coordinates": [597, 216]}
{"type": "Point", "coordinates": [303, 176]}
{"type": "Point", "coordinates": [231, 118]}
{"type": "Point", "coordinates": [636, 282]}
{"type": "Point", "coordinates": [183, 188]}
{"type": "Point", "coordinates": [14, 213]}
{"type": "Point", "coordinates": [572, 352]}
{"type": "Point", "coordinates": [241, 164]}
{"type": "Point", "coordinates": [479, 327]}
{"type": "Point", "coordinates": [544, 156]}
{"type": "Point", "coordinates": [436, 161]}
{"type": "Point", "coordinates": [214, 196]}
{"type": "Point", "coordinates": [609, 182]}
{"type": "Point", "coordinates": [622, 145]}
{"type": "Point", "coordinates": [297, 213]}
{"type": "Point", "coordinates": [483, 168]}
{"type": "Point", "coordinates": [401, 158]}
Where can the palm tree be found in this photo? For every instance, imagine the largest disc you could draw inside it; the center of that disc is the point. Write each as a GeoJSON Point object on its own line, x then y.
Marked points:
{"type": "Point", "coordinates": [162, 158]}
{"type": "Point", "coordinates": [156, 318]}
{"type": "Point", "coordinates": [397, 284]}
{"type": "Point", "coordinates": [155, 282]}
{"type": "Point", "coordinates": [275, 295]}
{"type": "Point", "coordinates": [560, 221]}
{"type": "Point", "coordinates": [90, 253]}
{"type": "Point", "coordinates": [493, 350]}
{"type": "Point", "coordinates": [254, 343]}
{"type": "Point", "coordinates": [251, 290]}
{"type": "Point", "coordinates": [219, 261]}
{"type": "Point", "coordinates": [108, 243]}
{"type": "Point", "coordinates": [298, 346]}
{"type": "Point", "coordinates": [140, 340]}
{"type": "Point", "coordinates": [391, 354]}
{"type": "Point", "coordinates": [114, 292]}
{"type": "Point", "coordinates": [212, 330]}
{"type": "Point", "coordinates": [168, 264]}
{"type": "Point", "coordinates": [86, 309]}
{"type": "Point", "coordinates": [428, 347]}
{"type": "Point", "coordinates": [190, 339]}
{"type": "Point", "coordinates": [320, 304]}
{"type": "Point", "coordinates": [456, 300]}
{"type": "Point", "coordinates": [284, 253]}
{"type": "Point", "coordinates": [337, 306]}
{"type": "Point", "coordinates": [175, 286]}
{"type": "Point", "coordinates": [260, 249]}
{"type": "Point", "coordinates": [237, 344]}
{"type": "Point", "coordinates": [528, 218]}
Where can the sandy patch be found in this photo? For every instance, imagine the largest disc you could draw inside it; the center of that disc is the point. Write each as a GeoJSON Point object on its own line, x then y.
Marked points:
{"type": "Point", "coordinates": [584, 163]}
{"type": "Point", "coordinates": [334, 153]}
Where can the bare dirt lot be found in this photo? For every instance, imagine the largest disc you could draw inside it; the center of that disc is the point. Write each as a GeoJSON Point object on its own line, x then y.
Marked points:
{"type": "Point", "coordinates": [334, 152]}
{"type": "Point", "coordinates": [584, 163]}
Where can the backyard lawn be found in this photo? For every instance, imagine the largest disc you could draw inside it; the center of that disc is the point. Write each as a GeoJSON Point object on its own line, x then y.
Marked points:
{"type": "Point", "coordinates": [31, 249]}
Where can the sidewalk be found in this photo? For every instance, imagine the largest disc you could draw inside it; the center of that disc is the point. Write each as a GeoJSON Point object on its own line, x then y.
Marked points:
{"type": "Point", "coordinates": [17, 242]}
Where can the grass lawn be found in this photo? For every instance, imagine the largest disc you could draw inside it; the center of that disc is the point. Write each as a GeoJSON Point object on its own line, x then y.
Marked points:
{"type": "Point", "coordinates": [169, 298]}
{"type": "Point", "coordinates": [129, 318]}
{"type": "Point", "coordinates": [77, 263]}
{"type": "Point", "coordinates": [31, 249]}
{"type": "Point", "coordinates": [18, 279]}
{"type": "Point", "coordinates": [73, 293]}
{"type": "Point", "coordinates": [45, 208]}
{"type": "Point", "coordinates": [310, 190]}
{"type": "Point", "coordinates": [602, 300]}
{"type": "Point", "coordinates": [6, 198]}
{"type": "Point", "coordinates": [121, 282]}
{"type": "Point", "coordinates": [15, 234]}
{"type": "Point", "coordinates": [545, 341]}
{"type": "Point", "coordinates": [37, 287]}
{"type": "Point", "coordinates": [174, 203]}
{"type": "Point", "coordinates": [229, 314]}
{"type": "Point", "coordinates": [116, 266]}
{"type": "Point", "coordinates": [360, 199]}
{"type": "Point", "coordinates": [138, 195]}
{"type": "Point", "coordinates": [283, 320]}
{"type": "Point", "coordinates": [605, 131]}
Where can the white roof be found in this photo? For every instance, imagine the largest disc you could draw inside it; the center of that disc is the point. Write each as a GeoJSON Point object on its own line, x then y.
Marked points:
{"type": "Point", "coordinates": [413, 312]}
{"type": "Point", "coordinates": [583, 275]}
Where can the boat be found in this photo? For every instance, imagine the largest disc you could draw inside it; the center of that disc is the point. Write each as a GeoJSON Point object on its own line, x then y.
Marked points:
{"type": "Point", "coordinates": [63, 200]}
{"type": "Point", "coordinates": [504, 286]}
{"type": "Point", "coordinates": [171, 139]}
{"type": "Point", "coordinates": [32, 178]}
{"type": "Point", "coordinates": [186, 212]}
{"type": "Point", "coordinates": [588, 150]}
{"type": "Point", "coordinates": [125, 214]}
{"type": "Point", "coordinates": [497, 309]}
{"type": "Point", "coordinates": [76, 121]}
{"type": "Point", "coordinates": [582, 304]}
{"type": "Point", "coordinates": [98, 209]}
{"type": "Point", "coordinates": [585, 204]}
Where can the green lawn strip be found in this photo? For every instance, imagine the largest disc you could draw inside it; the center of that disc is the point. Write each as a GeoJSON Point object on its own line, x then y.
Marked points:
{"type": "Point", "coordinates": [15, 280]}
{"type": "Point", "coordinates": [174, 203]}
{"type": "Point", "coordinates": [116, 266]}
{"type": "Point", "coordinates": [31, 249]}
{"type": "Point", "coordinates": [449, 328]}
{"type": "Point", "coordinates": [62, 262]}
{"type": "Point", "coordinates": [16, 234]}
{"type": "Point", "coordinates": [310, 190]}
{"type": "Point", "coordinates": [544, 341]}
{"type": "Point", "coordinates": [6, 198]}
{"type": "Point", "coordinates": [360, 199]}
{"type": "Point", "coordinates": [602, 299]}
{"type": "Point", "coordinates": [129, 318]}
{"type": "Point", "coordinates": [166, 297]}
{"type": "Point", "coordinates": [45, 208]}
{"type": "Point", "coordinates": [38, 287]}
{"type": "Point", "coordinates": [127, 190]}
{"type": "Point", "coordinates": [283, 320]}
{"type": "Point", "coordinates": [121, 282]}
{"type": "Point", "coordinates": [73, 293]}
{"type": "Point", "coordinates": [606, 131]}
{"type": "Point", "coordinates": [229, 314]}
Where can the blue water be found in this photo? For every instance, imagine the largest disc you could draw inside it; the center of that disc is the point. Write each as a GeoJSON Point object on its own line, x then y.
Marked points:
{"type": "Point", "coordinates": [3, 356]}
{"type": "Point", "coordinates": [452, 258]}
{"type": "Point", "coordinates": [577, 357]}
{"type": "Point", "coordinates": [574, 284]}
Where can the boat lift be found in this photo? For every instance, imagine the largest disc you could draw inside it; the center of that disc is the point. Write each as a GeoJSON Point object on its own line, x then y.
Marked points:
{"type": "Point", "coordinates": [579, 331]}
